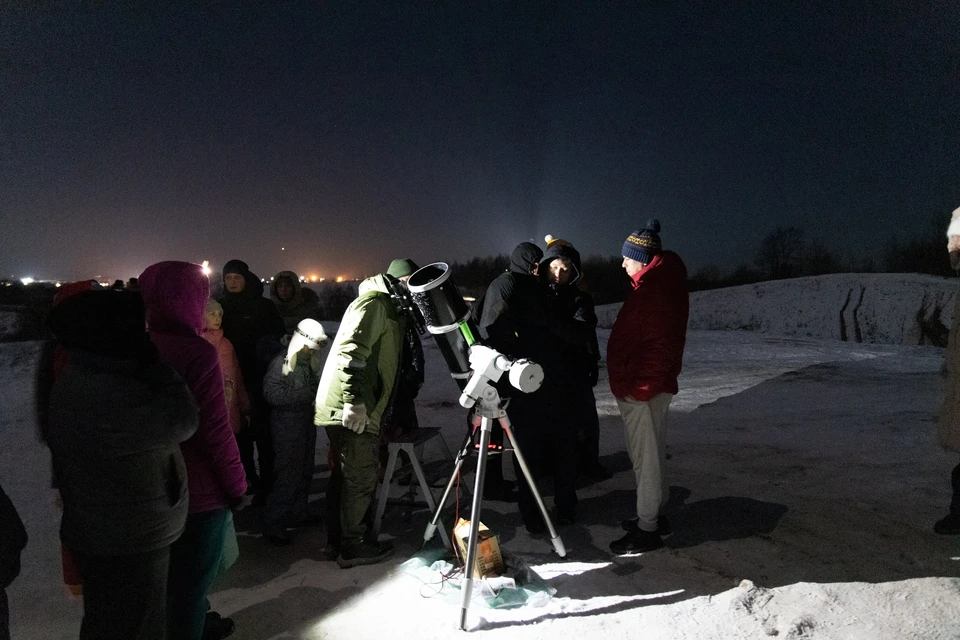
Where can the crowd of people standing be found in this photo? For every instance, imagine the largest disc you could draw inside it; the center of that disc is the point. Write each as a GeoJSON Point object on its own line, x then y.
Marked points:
{"type": "Point", "coordinates": [166, 411]}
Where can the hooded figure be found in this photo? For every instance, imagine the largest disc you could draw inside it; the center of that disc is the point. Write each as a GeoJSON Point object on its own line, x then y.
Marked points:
{"type": "Point", "coordinates": [234, 390]}
{"type": "Point", "coordinates": [115, 420]}
{"type": "Point", "coordinates": [175, 295]}
{"type": "Point", "coordinates": [355, 389]}
{"type": "Point", "coordinates": [250, 321]}
{"type": "Point", "coordinates": [577, 365]}
{"type": "Point", "coordinates": [294, 301]}
{"type": "Point", "coordinates": [514, 306]}
{"type": "Point", "coordinates": [516, 318]}
{"type": "Point", "coordinates": [290, 387]}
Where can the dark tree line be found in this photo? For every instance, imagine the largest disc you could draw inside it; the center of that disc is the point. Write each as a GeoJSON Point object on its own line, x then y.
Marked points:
{"type": "Point", "coordinates": [785, 252]}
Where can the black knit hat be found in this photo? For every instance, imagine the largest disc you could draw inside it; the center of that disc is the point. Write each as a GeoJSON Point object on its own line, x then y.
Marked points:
{"type": "Point", "coordinates": [644, 245]}
{"type": "Point", "coordinates": [236, 266]}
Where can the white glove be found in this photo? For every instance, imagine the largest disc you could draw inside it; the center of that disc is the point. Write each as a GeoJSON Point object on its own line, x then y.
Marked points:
{"type": "Point", "coordinates": [355, 417]}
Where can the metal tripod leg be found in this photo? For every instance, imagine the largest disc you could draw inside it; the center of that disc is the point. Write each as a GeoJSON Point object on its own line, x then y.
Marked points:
{"type": "Point", "coordinates": [486, 426]}
{"type": "Point", "coordinates": [435, 521]}
{"type": "Point", "coordinates": [554, 536]}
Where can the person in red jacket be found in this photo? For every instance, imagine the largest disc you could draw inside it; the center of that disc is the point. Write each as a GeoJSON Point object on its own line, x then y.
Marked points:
{"type": "Point", "coordinates": [644, 357]}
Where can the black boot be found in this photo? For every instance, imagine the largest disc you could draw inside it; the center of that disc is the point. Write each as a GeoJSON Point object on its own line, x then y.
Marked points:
{"type": "Point", "coordinates": [637, 541]}
{"type": "Point", "coordinates": [356, 552]}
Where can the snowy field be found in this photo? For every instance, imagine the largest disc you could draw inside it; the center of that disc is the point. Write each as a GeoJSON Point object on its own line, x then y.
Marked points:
{"type": "Point", "coordinates": [804, 478]}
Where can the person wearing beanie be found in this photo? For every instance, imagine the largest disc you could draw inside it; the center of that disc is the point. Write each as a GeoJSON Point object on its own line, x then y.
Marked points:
{"type": "Point", "coordinates": [289, 386]}
{"type": "Point", "coordinates": [580, 356]}
{"type": "Point", "coordinates": [249, 320]}
{"type": "Point", "coordinates": [644, 358]}
{"type": "Point", "coordinates": [948, 432]}
{"type": "Point", "coordinates": [512, 317]}
{"type": "Point", "coordinates": [400, 418]}
{"type": "Point", "coordinates": [355, 388]}
{"type": "Point", "coordinates": [294, 301]}
{"type": "Point", "coordinates": [402, 268]}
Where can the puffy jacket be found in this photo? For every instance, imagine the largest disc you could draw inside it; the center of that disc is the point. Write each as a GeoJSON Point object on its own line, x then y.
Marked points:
{"type": "Point", "coordinates": [645, 351]}
{"type": "Point", "coordinates": [364, 357]}
{"type": "Point", "coordinates": [291, 396]}
{"type": "Point", "coordinates": [175, 294]}
{"type": "Point", "coordinates": [235, 391]}
{"type": "Point", "coordinates": [114, 431]}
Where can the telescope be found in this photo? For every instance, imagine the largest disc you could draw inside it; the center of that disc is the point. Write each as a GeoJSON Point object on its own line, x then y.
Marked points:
{"type": "Point", "coordinates": [476, 369]}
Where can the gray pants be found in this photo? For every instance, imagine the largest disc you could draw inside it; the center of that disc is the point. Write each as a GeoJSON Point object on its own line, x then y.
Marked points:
{"type": "Point", "coordinates": [645, 426]}
{"type": "Point", "coordinates": [295, 447]}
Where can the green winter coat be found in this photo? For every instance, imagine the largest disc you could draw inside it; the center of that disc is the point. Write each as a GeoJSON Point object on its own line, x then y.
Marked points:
{"type": "Point", "coordinates": [363, 361]}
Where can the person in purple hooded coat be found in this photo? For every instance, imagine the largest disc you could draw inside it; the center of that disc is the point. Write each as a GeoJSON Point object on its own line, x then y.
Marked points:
{"type": "Point", "coordinates": [174, 296]}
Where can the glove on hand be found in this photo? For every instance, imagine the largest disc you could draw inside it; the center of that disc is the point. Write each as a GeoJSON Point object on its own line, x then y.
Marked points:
{"type": "Point", "coordinates": [355, 417]}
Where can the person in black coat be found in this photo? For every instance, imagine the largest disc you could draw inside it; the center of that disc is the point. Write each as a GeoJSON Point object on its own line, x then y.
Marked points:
{"type": "Point", "coordinates": [578, 351]}
{"type": "Point", "coordinates": [516, 318]}
{"type": "Point", "coordinates": [115, 419]}
{"type": "Point", "coordinates": [13, 538]}
{"type": "Point", "coordinates": [252, 323]}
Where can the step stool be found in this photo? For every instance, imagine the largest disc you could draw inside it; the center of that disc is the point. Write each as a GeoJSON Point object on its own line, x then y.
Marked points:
{"type": "Point", "coordinates": [408, 444]}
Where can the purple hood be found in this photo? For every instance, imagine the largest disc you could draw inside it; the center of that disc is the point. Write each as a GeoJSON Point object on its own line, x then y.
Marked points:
{"type": "Point", "coordinates": [175, 293]}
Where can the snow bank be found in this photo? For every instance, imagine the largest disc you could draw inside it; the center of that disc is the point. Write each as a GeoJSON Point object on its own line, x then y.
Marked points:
{"type": "Point", "coordinates": [880, 308]}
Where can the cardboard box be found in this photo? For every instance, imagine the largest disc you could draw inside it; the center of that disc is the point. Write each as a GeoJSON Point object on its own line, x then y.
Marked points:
{"type": "Point", "coordinates": [489, 559]}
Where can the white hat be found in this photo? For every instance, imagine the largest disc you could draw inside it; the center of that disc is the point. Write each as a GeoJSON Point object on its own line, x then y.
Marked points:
{"type": "Point", "coordinates": [309, 333]}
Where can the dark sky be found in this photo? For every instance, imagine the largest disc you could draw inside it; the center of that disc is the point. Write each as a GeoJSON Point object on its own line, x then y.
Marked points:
{"type": "Point", "coordinates": [351, 134]}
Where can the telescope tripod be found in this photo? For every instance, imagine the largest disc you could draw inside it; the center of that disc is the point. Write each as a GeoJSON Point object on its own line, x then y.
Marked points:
{"type": "Point", "coordinates": [487, 409]}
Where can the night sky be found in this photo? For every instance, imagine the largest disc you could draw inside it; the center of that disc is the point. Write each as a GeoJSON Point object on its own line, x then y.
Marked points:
{"type": "Point", "coordinates": [350, 134]}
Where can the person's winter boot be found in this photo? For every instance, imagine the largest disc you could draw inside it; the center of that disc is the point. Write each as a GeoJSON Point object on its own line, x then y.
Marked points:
{"type": "Point", "coordinates": [596, 471]}
{"type": "Point", "coordinates": [663, 525]}
{"type": "Point", "coordinates": [357, 552]}
{"type": "Point", "coordinates": [216, 627]}
{"type": "Point", "coordinates": [637, 541]}
{"type": "Point", "coordinates": [948, 525]}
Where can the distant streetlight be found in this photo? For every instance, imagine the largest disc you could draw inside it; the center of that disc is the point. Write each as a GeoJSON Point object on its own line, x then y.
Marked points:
{"type": "Point", "coordinates": [206, 267]}
{"type": "Point", "coordinates": [313, 278]}
{"type": "Point", "coordinates": [27, 280]}
{"type": "Point", "coordinates": [339, 278]}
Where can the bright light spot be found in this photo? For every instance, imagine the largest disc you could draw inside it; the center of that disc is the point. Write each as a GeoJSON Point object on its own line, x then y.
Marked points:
{"type": "Point", "coordinates": [469, 299]}
{"type": "Point", "coordinates": [271, 278]}
{"type": "Point", "coordinates": [548, 571]}
{"type": "Point", "coordinates": [58, 285]}
{"type": "Point", "coordinates": [313, 278]}
{"type": "Point", "coordinates": [206, 267]}
{"type": "Point", "coordinates": [283, 248]}
{"type": "Point", "coordinates": [27, 280]}
{"type": "Point", "coordinates": [339, 278]}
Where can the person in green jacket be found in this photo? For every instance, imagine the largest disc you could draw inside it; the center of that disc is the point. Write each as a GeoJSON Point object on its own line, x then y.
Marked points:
{"type": "Point", "coordinates": [354, 392]}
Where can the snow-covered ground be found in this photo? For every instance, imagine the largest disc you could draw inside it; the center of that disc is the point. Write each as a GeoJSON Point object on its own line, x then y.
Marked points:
{"type": "Point", "coordinates": [804, 482]}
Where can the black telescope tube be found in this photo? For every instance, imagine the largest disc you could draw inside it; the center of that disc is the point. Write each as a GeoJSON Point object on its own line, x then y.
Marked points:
{"type": "Point", "coordinates": [446, 315]}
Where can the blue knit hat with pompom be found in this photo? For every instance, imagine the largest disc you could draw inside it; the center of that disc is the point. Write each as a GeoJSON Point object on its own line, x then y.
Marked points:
{"type": "Point", "coordinates": [644, 245]}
